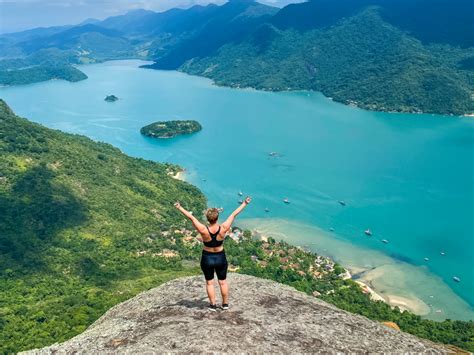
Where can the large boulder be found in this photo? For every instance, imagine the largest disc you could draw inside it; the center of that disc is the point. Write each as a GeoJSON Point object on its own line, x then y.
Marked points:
{"type": "Point", "coordinates": [264, 316]}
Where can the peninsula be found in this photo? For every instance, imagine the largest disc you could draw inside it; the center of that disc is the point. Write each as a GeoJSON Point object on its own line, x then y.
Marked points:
{"type": "Point", "coordinates": [170, 129]}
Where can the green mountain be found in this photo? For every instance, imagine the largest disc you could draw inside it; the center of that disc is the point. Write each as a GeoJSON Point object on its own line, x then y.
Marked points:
{"type": "Point", "coordinates": [75, 215]}
{"type": "Point", "coordinates": [405, 55]}
{"type": "Point", "coordinates": [360, 59]}
{"type": "Point", "coordinates": [90, 39]}
{"type": "Point", "coordinates": [138, 34]}
{"type": "Point", "coordinates": [227, 23]}
{"type": "Point", "coordinates": [431, 21]}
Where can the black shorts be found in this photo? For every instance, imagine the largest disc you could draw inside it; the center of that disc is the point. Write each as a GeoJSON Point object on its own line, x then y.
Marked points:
{"type": "Point", "coordinates": [214, 262]}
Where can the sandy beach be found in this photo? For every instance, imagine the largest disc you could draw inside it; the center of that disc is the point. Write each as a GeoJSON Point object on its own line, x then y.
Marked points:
{"type": "Point", "coordinates": [180, 175]}
{"type": "Point", "coordinates": [399, 284]}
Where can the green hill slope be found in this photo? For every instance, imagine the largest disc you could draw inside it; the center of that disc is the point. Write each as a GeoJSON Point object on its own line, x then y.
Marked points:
{"type": "Point", "coordinates": [75, 214]}
{"type": "Point", "coordinates": [361, 59]}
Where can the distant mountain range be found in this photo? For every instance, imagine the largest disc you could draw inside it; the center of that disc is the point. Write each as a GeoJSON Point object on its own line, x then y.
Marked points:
{"type": "Point", "coordinates": [405, 55]}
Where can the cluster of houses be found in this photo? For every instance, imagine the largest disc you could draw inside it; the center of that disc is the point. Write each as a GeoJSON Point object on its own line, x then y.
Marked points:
{"type": "Point", "coordinates": [165, 253]}
{"type": "Point", "coordinates": [286, 256]}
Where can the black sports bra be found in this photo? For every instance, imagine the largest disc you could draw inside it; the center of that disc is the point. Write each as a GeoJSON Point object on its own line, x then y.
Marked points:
{"type": "Point", "coordinates": [213, 242]}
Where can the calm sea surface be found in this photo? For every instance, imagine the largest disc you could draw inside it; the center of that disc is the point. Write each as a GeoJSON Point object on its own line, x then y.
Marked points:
{"type": "Point", "coordinates": [407, 178]}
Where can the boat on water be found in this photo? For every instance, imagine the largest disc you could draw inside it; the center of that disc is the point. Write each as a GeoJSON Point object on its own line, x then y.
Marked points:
{"type": "Point", "coordinates": [240, 201]}
{"type": "Point", "coordinates": [457, 279]}
{"type": "Point", "coordinates": [273, 154]}
{"type": "Point", "coordinates": [286, 201]}
{"type": "Point", "coordinates": [443, 253]}
{"type": "Point", "coordinates": [385, 241]}
{"type": "Point", "coordinates": [426, 259]}
{"type": "Point", "coordinates": [240, 193]}
{"type": "Point", "coordinates": [342, 203]}
{"type": "Point", "coordinates": [267, 210]}
{"type": "Point", "coordinates": [331, 229]}
{"type": "Point", "coordinates": [368, 232]}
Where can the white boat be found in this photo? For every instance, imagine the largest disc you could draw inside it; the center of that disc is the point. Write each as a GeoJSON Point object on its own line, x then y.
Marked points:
{"type": "Point", "coordinates": [267, 210]}
{"type": "Point", "coordinates": [342, 203]}
{"type": "Point", "coordinates": [368, 232]}
{"type": "Point", "coordinates": [385, 241]}
{"type": "Point", "coordinates": [443, 253]}
{"type": "Point", "coordinates": [457, 279]}
{"type": "Point", "coordinates": [286, 201]}
{"type": "Point", "coordinates": [331, 229]}
{"type": "Point", "coordinates": [240, 201]}
{"type": "Point", "coordinates": [240, 193]}
{"type": "Point", "coordinates": [426, 259]}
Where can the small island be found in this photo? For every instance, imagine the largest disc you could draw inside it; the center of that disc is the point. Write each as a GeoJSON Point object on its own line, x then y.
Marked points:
{"type": "Point", "coordinates": [111, 98]}
{"type": "Point", "coordinates": [170, 129]}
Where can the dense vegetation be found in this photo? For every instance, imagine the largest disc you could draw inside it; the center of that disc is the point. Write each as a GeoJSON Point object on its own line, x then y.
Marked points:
{"type": "Point", "coordinates": [43, 65]}
{"type": "Point", "coordinates": [362, 60]}
{"type": "Point", "coordinates": [73, 214]}
{"type": "Point", "coordinates": [371, 53]}
{"type": "Point", "coordinates": [40, 73]}
{"type": "Point", "coordinates": [111, 98]}
{"type": "Point", "coordinates": [170, 129]}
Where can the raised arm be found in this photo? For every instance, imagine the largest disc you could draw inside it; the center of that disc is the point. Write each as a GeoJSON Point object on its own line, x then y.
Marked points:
{"type": "Point", "coordinates": [228, 223]}
{"type": "Point", "coordinates": [201, 228]}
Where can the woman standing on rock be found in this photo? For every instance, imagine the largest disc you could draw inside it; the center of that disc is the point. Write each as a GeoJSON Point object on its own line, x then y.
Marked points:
{"type": "Point", "coordinates": [213, 255]}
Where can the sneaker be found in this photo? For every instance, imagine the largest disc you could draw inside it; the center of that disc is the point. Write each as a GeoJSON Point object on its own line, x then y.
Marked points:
{"type": "Point", "coordinates": [212, 307]}
{"type": "Point", "coordinates": [225, 306]}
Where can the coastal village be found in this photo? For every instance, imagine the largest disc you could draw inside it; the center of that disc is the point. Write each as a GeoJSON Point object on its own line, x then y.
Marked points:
{"type": "Point", "coordinates": [294, 259]}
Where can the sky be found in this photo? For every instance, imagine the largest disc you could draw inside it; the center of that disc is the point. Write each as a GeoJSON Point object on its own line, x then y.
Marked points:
{"type": "Point", "coordinates": [18, 15]}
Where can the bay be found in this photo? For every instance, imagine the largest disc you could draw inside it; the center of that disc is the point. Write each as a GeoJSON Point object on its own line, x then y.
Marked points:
{"type": "Point", "coordinates": [408, 178]}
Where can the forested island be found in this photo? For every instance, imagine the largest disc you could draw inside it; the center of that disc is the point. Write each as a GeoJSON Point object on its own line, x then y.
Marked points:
{"type": "Point", "coordinates": [170, 129]}
{"type": "Point", "coordinates": [111, 98]}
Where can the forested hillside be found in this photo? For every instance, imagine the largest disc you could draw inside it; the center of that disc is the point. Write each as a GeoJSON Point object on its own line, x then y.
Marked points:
{"type": "Point", "coordinates": [352, 54]}
{"type": "Point", "coordinates": [406, 55]}
{"type": "Point", "coordinates": [74, 215]}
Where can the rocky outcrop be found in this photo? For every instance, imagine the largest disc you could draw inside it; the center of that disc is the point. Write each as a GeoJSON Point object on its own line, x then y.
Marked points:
{"type": "Point", "coordinates": [264, 316]}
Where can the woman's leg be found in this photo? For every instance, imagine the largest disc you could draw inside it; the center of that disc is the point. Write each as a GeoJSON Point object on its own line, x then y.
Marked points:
{"type": "Point", "coordinates": [207, 268]}
{"type": "Point", "coordinates": [224, 291]}
{"type": "Point", "coordinates": [221, 272]}
{"type": "Point", "coordinates": [211, 293]}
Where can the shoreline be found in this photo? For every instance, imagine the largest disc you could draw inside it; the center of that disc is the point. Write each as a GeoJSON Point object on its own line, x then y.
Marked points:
{"type": "Point", "coordinates": [149, 62]}
{"type": "Point", "coordinates": [412, 305]}
{"type": "Point", "coordinates": [362, 277]}
{"type": "Point", "coordinates": [346, 102]}
{"type": "Point", "coordinates": [408, 287]}
{"type": "Point", "coordinates": [180, 175]}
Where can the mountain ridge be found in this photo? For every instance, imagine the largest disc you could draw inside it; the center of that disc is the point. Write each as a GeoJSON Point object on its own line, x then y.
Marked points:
{"type": "Point", "coordinates": [407, 56]}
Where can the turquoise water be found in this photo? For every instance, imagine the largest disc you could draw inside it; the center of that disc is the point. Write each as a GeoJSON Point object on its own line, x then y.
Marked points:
{"type": "Point", "coordinates": [409, 178]}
